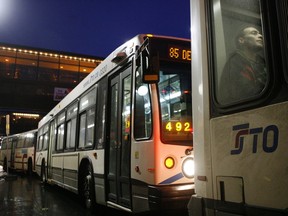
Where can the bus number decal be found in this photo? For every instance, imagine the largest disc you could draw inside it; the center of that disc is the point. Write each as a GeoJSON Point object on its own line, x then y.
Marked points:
{"type": "Point", "coordinates": [244, 131]}
{"type": "Point", "coordinates": [178, 126]}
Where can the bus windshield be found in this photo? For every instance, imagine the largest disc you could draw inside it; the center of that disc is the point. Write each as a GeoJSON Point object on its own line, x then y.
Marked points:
{"type": "Point", "coordinates": [175, 101]}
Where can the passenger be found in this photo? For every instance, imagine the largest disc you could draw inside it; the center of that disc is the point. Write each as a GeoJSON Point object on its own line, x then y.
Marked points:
{"type": "Point", "coordinates": [244, 73]}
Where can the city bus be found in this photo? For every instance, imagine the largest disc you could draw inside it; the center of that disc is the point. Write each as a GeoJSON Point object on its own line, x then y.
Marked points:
{"type": "Point", "coordinates": [240, 134]}
{"type": "Point", "coordinates": [18, 152]}
{"type": "Point", "coordinates": [122, 138]}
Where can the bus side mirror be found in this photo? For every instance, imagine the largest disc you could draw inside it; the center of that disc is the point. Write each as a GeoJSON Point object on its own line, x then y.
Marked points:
{"type": "Point", "coordinates": [150, 67]}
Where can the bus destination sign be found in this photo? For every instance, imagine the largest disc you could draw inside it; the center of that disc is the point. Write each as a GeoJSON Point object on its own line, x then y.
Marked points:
{"type": "Point", "coordinates": [179, 53]}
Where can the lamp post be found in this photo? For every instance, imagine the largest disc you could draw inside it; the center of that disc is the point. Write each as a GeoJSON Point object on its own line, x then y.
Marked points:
{"type": "Point", "coordinates": [7, 134]}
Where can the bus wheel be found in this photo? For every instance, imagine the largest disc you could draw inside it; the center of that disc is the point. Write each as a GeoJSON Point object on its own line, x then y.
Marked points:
{"type": "Point", "coordinates": [43, 173]}
{"type": "Point", "coordinates": [29, 169]}
{"type": "Point", "coordinates": [86, 187]}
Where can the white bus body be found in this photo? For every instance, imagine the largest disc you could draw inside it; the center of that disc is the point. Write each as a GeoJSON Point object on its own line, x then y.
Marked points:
{"type": "Point", "coordinates": [117, 140]}
{"type": "Point", "coordinates": [240, 146]}
{"type": "Point", "coordinates": [18, 151]}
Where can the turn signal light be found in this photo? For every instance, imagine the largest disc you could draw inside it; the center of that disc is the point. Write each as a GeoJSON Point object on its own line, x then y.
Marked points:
{"type": "Point", "coordinates": [169, 162]}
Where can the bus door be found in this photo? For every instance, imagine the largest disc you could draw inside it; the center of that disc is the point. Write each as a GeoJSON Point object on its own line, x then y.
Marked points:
{"type": "Point", "coordinates": [119, 142]}
{"type": "Point", "coordinates": [13, 146]}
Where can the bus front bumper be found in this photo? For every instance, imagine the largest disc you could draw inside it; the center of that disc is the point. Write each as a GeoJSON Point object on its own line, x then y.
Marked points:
{"type": "Point", "coordinates": [170, 196]}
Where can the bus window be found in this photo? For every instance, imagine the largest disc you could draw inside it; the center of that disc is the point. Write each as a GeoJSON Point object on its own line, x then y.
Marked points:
{"type": "Point", "coordinates": [87, 119]}
{"type": "Point", "coordinates": [126, 114]}
{"type": "Point", "coordinates": [176, 105]}
{"type": "Point", "coordinates": [21, 142]}
{"type": "Point", "coordinates": [71, 126]}
{"type": "Point", "coordinates": [45, 137]}
{"type": "Point", "coordinates": [282, 12]}
{"type": "Point", "coordinates": [82, 130]}
{"type": "Point", "coordinates": [239, 55]}
{"type": "Point", "coordinates": [53, 133]}
{"type": "Point", "coordinates": [100, 113]}
{"type": "Point", "coordinates": [143, 119]}
{"type": "Point", "coordinates": [90, 127]}
{"type": "Point", "coordinates": [40, 141]}
{"type": "Point", "coordinates": [60, 132]}
{"type": "Point", "coordinates": [45, 142]}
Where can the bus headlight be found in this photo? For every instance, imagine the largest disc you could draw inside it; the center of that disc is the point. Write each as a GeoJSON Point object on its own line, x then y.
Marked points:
{"type": "Point", "coordinates": [188, 167]}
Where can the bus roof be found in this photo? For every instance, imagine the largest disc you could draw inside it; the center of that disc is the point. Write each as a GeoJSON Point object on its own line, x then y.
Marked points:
{"type": "Point", "coordinates": [102, 69]}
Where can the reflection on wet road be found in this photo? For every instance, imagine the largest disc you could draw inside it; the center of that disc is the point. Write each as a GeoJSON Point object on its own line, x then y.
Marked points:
{"type": "Point", "coordinates": [27, 196]}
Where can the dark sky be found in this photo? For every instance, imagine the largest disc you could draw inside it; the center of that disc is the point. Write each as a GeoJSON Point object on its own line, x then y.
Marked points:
{"type": "Point", "coordinates": [91, 27]}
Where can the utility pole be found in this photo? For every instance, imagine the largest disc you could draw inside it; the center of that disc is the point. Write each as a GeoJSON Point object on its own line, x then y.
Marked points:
{"type": "Point", "coordinates": [7, 134]}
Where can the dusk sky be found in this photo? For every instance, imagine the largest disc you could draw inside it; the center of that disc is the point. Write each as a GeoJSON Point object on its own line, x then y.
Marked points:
{"type": "Point", "coordinates": [91, 27]}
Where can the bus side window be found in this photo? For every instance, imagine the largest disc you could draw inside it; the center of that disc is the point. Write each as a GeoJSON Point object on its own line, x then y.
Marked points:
{"type": "Point", "coordinates": [143, 119]}
{"type": "Point", "coordinates": [60, 131]}
{"type": "Point", "coordinates": [100, 113]}
{"type": "Point", "coordinates": [282, 12]}
{"type": "Point", "coordinates": [53, 133]}
{"type": "Point", "coordinates": [71, 124]}
{"type": "Point", "coordinates": [87, 119]}
{"type": "Point", "coordinates": [239, 56]}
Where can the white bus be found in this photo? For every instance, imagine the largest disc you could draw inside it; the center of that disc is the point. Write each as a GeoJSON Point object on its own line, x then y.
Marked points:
{"type": "Point", "coordinates": [123, 137]}
{"type": "Point", "coordinates": [18, 152]}
{"type": "Point", "coordinates": [240, 107]}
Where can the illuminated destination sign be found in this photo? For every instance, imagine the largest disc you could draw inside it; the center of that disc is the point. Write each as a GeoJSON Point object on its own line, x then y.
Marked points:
{"type": "Point", "coordinates": [178, 126]}
{"type": "Point", "coordinates": [170, 49]}
{"type": "Point", "coordinates": [179, 53]}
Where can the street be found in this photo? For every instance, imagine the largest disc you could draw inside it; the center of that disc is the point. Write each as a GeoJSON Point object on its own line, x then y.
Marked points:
{"type": "Point", "coordinates": [22, 195]}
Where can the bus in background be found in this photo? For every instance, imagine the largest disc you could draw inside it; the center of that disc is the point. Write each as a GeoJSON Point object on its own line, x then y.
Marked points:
{"type": "Point", "coordinates": [18, 152]}
{"type": "Point", "coordinates": [123, 137]}
{"type": "Point", "coordinates": [240, 107]}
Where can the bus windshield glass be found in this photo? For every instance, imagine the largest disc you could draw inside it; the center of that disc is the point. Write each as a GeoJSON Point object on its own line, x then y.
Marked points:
{"type": "Point", "coordinates": [174, 89]}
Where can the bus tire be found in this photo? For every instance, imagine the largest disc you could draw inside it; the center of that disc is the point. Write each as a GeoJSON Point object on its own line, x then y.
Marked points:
{"type": "Point", "coordinates": [29, 168]}
{"type": "Point", "coordinates": [43, 173]}
{"type": "Point", "coordinates": [86, 187]}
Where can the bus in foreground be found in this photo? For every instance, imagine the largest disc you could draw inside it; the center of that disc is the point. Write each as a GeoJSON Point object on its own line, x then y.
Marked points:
{"type": "Point", "coordinates": [18, 152]}
{"type": "Point", "coordinates": [240, 107]}
{"type": "Point", "coordinates": [123, 137]}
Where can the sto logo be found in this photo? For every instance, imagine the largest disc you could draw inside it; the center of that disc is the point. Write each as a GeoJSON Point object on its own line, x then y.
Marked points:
{"type": "Point", "coordinates": [244, 131]}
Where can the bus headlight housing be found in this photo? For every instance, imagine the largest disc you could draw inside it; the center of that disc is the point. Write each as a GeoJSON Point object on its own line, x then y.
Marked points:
{"type": "Point", "coordinates": [188, 167]}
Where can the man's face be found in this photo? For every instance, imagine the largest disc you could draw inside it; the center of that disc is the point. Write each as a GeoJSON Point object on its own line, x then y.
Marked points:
{"type": "Point", "coordinates": [252, 39]}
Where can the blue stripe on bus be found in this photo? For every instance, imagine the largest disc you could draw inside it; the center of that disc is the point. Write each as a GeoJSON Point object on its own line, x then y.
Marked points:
{"type": "Point", "coordinates": [172, 179]}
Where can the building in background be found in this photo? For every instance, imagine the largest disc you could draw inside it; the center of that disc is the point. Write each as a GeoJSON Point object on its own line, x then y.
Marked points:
{"type": "Point", "coordinates": [33, 81]}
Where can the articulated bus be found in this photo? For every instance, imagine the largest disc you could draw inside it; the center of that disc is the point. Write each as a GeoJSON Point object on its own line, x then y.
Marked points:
{"type": "Point", "coordinates": [18, 152]}
{"type": "Point", "coordinates": [123, 137]}
{"type": "Point", "coordinates": [240, 107]}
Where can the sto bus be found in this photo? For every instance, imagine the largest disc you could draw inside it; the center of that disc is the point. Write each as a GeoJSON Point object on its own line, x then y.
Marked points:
{"type": "Point", "coordinates": [18, 152]}
{"type": "Point", "coordinates": [123, 137]}
{"type": "Point", "coordinates": [240, 107]}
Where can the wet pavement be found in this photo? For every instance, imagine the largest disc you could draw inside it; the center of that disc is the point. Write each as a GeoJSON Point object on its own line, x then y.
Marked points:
{"type": "Point", "coordinates": [22, 195]}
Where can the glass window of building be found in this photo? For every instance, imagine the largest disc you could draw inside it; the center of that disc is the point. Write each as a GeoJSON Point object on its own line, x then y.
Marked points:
{"type": "Point", "coordinates": [48, 71]}
{"type": "Point", "coordinates": [26, 69]}
{"type": "Point", "coordinates": [86, 67]}
{"type": "Point", "coordinates": [68, 73]}
{"type": "Point", "coordinates": [7, 67]}
{"type": "Point", "coordinates": [69, 68]}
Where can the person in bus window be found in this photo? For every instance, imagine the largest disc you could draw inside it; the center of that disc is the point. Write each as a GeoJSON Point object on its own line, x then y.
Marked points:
{"type": "Point", "coordinates": [244, 73]}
